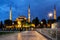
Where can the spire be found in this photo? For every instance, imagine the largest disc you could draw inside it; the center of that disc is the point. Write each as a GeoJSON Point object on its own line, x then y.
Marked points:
{"type": "Point", "coordinates": [29, 13]}
{"type": "Point", "coordinates": [54, 11]}
{"type": "Point", "coordinates": [29, 6]}
{"type": "Point", "coordinates": [10, 13]}
{"type": "Point", "coordinates": [54, 7]}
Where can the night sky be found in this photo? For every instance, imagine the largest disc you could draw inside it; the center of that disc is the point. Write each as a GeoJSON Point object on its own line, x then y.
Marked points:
{"type": "Point", "coordinates": [39, 8]}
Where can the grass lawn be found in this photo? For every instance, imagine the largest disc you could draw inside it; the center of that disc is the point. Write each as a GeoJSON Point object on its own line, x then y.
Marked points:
{"type": "Point", "coordinates": [3, 33]}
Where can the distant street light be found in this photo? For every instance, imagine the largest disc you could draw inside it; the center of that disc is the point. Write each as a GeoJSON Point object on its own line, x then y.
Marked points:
{"type": "Point", "coordinates": [41, 22]}
{"type": "Point", "coordinates": [50, 15]}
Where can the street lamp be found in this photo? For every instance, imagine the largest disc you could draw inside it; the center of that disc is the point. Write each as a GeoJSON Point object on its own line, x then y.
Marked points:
{"type": "Point", "coordinates": [50, 15]}
{"type": "Point", "coordinates": [41, 22]}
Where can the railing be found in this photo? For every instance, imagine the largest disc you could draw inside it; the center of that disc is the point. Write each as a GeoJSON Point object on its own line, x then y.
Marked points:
{"type": "Point", "coordinates": [53, 34]}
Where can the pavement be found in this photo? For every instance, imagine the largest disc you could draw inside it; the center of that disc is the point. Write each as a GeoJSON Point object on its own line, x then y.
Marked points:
{"type": "Point", "coordinates": [58, 35]}
{"type": "Point", "coordinates": [25, 35]}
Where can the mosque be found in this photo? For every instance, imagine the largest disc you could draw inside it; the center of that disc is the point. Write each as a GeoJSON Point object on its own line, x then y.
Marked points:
{"type": "Point", "coordinates": [21, 18]}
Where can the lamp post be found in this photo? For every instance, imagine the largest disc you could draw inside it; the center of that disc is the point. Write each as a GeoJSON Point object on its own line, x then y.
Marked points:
{"type": "Point", "coordinates": [50, 15]}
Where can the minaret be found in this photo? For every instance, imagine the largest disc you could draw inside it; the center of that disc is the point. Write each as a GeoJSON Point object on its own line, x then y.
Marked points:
{"type": "Point", "coordinates": [10, 13]}
{"type": "Point", "coordinates": [29, 13]}
{"type": "Point", "coordinates": [54, 12]}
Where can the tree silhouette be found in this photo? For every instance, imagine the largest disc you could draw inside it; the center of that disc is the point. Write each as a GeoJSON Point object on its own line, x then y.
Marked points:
{"type": "Point", "coordinates": [35, 21]}
{"type": "Point", "coordinates": [58, 18]}
{"type": "Point", "coordinates": [44, 23]}
{"type": "Point", "coordinates": [15, 22]}
{"type": "Point", "coordinates": [1, 25]}
{"type": "Point", "coordinates": [51, 21]}
{"type": "Point", "coordinates": [8, 22]}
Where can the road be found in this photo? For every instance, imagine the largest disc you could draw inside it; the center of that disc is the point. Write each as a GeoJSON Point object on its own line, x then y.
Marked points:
{"type": "Point", "coordinates": [26, 35]}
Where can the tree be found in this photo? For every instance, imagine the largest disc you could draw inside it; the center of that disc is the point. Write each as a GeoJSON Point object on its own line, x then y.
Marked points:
{"type": "Point", "coordinates": [15, 22]}
{"type": "Point", "coordinates": [8, 22]}
{"type": "Point", "coordinates": [35, 21]}
{"type": "Point", "coordinates": [1, 25]}
{"type": "Point", "coordinates": [43, 23]}
{"type": "Point", "coordinates": [50, 21]}
{"type": "Point", "coordinates": [58, 18]}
